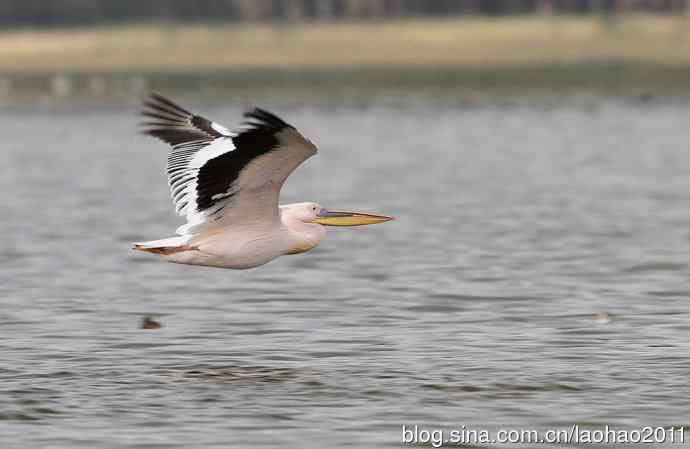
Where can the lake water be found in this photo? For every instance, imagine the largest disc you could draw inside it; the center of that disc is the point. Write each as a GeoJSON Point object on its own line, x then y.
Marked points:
{"type": "Point", "coordinates": [516, 225]}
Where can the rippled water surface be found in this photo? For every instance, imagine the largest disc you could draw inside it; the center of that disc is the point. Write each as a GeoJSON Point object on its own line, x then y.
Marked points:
{"type": "Point", "coordinates": [516, 225]}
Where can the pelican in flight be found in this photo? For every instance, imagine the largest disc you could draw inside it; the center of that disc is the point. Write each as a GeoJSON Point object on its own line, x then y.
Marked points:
{"type": "Point", "coordinates": [227, 184]}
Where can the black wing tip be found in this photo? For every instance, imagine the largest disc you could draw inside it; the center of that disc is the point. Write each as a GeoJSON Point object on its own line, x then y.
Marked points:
{"type": "Point", "coordinates": [156, 103]}
{"type": "Point", "coordinates": [261, 118]}
{"type": "Point", "coordinates": [173, 124]}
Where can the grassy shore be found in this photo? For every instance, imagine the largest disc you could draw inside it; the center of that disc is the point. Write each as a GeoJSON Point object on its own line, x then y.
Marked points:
{"type": "Point", "coordinates": [536, 52]}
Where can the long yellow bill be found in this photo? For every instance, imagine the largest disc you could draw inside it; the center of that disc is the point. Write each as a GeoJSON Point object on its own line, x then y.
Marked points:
{"type": "Point", "coordinates": [340, 218]}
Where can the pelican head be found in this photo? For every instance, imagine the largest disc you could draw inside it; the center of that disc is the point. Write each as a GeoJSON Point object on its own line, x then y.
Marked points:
{"type": "Point", "coordinates": [315, 213]}
{"type": "Point", "coordinates": [306, 223]}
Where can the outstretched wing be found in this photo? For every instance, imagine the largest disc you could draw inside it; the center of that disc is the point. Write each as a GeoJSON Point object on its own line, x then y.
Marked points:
{"type": "Point", "coordinates": [222, 178]}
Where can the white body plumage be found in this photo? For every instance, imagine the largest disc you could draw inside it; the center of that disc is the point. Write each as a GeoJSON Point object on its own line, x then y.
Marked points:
{"type": "Point", "coordinates": [253, 244]}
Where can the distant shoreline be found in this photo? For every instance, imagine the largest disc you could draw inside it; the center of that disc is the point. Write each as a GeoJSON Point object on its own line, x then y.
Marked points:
{"type": "Point", "coordinates": [637, 54]}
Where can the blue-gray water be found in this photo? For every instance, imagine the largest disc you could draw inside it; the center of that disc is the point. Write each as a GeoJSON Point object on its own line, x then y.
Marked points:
{"type": "Point", "coordinates": [515, 226]}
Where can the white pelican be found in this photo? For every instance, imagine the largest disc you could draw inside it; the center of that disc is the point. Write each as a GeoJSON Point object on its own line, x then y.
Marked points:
{"type": "Point", "coordinates": [227, 186]}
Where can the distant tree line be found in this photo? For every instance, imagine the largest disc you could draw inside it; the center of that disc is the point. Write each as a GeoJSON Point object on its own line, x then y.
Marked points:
{"type": "Point", "coordinates": [41, 13]}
